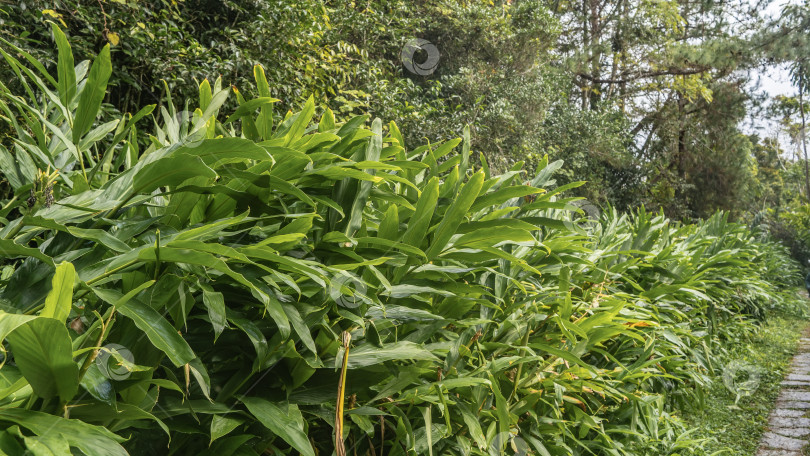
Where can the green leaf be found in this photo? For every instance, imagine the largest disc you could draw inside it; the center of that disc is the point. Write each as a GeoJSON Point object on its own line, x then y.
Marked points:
{"type": "Point", "coordinates": [428, 428]}
{"type": "Point", "coordinates": [465, 155]}
{"type": "Point", "coordinates": [369, 355]}
{"type": "Point", "coordinates": [264, 123]}
{"type": "Point", "coordinates": [9, 444]}
{"type": "Point", "coordinates": [342, 172]}
{"type": "Point", "coordinates": [503, 195]}
{"type": "Point", "coordinates": [455, 214]}
{"type": "Point", "coordinates": [283, 186]}
{"type": "Point", "coordinates": [200, 374]}
{"type": "Point", "coordinates": [420, 220]}
{"type": "Point", "coordinates": [372, 153]}
{"type": "Point", "coordinates": [400, 313]}
{"type": "Point", "coordinates": [247, 108]}
{"type": "Point", "coordinates": [95, 88]}
{"type": "Point", "coordinates": [100, 236]}
{"type": "Point", "coordinates": [222, 425]}
{"type": "Point", "coordinates": [12, 249]}
{"type": "Point", "coordinates": [117, 299]}
{"type": "Point", "coordinates": [271, 303]}
{"type": "Point", "coordinates": [389, 226]}
{"type": "Point", "coordinates": [327, 122]}
{"type": "Point", "coordinates": [47, 445]}
{"type": "Point", "coordinates": [65, 67]}
{"type": "Point", "coordinates": [122, 411]}
{"type": "Point", "coordinates": [9, 322]}
{"type": "Point", "coordinates": [225, 150]}
{"type": "Point", "coordinates": [90, 439]}
{"type": "Point", "coordinates": [215, 303]}
{"type": "Point", "coordinates": [473, 424]}
{"type": "Point", "coordinates": [404, 290]}
{"type": "Point", "coordinates": [300, 122]}
{"type": "Point", "coordinates": [249, 129]}
{"type": "Point", "coordinates": [205, 94]}
{"type": "Point", "coordinates": [491, 236]}
{"type": "Point", "coordinates": [159, 331]}
{"type": "Point", "coordinates": [17, 169]}
{"type": "Point", "coordinates": [501, 407]}
{"type": "Point", "coordinates": [284, 420]}
{"type": "Point", "coordinates": [385, 244]}
{"type": "Point", "coordinates": [562, 354]}
{"type": "Point", "coordinates": [156, 328]}
{"type": "Point", "coordinates": [254, 334]}
{"type": "Point", "coordinates": [97, 134]}
{"type": "Point", "coordinates": [60, 298]}
{"type": "Point", "coordinates": [99, 386]}
{"type": "Point", "coordinates": [169, 171]}
{"type": "Point", "coordinates": [43, 352]}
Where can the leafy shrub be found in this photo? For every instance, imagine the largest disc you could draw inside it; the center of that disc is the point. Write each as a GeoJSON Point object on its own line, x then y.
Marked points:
{"type": "Point", "coordinates": [248, 284]}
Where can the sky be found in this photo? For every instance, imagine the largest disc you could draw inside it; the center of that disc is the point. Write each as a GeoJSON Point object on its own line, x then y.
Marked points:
{"type": "Point", "coordinates": [776, 81]}
{"type": "Point", "coordinates": [773, 81]}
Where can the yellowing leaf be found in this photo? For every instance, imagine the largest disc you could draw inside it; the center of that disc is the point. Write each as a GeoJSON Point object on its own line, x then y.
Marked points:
{"type": "Point", "coordinates": [113, 38]}
{"type": "Point", "coordinates": [54, 14]}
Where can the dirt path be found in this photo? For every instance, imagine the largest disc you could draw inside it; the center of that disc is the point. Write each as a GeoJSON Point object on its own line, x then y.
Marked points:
{"type": "Point", "coordinates": [789, 423]}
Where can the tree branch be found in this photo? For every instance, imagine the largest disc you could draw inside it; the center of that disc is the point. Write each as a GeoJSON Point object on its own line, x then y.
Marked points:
{"type": "Point", "coordinates": [651, 74]}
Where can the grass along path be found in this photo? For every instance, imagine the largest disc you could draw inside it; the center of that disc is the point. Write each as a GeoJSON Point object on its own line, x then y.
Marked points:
{"type": "Point", "coordinates": [788, 426]}
{"type": "Point", "coordinates": [735, 426]}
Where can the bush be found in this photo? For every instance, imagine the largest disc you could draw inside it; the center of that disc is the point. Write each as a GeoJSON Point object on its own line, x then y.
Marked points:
{"type": "Point", "coordinates": [266, 283]}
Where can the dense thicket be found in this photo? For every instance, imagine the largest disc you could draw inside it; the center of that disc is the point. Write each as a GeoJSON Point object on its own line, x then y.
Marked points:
{"type": "Point", "coordinates": [642, 99]}
{"type": "Point", "coordinates": [300, 284]}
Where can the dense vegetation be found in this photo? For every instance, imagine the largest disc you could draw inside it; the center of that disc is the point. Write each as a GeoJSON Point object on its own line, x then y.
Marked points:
{"type": "Point", "coordinates": [645, 100]}
{"type": "Point", "coordinates": [234, 281]}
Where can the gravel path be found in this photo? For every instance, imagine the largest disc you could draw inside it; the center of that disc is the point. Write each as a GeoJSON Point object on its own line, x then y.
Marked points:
{"type": "Point", "coordinates": [789, 423]}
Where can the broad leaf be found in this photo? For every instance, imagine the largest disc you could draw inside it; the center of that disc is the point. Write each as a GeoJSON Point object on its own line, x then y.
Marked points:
{"type": "Point", "coordinates": [93, 93]}
{"type": "Point", "coordinates": [60, 298]}
{"type": "Point", "coordinates": [283, 420]}
{"type": "Point", "coordinates": [43, 352]}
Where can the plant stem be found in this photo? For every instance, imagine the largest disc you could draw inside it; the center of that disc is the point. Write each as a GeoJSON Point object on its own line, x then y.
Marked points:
{"type": "Point", "coordinates": [9, 202]}
{"type": "Point", "coordinates": [522, 350]}
{"type": "Point", "coordinates": [14, 231]}
{"type": "Point", "coordinates": [92, 356]}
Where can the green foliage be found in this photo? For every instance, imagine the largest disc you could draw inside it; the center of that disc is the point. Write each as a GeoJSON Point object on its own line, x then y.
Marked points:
{"type": "Point", "coordinates": [346, 57]}
{"type": "Point", "coordinates": [216, 276]}
{"type": "Point", "coordinates": [184, 42]}
{"type": "Point", "coordinates": [595, 145]}
{"type": "Point", "coordinates": [736, 424]}
{"type": "Point", "coordinates": [702, 161]}
{"type": "Point", "coordinates": [622, 91]}
{"type": "Point", "coordinates": [780, 206]}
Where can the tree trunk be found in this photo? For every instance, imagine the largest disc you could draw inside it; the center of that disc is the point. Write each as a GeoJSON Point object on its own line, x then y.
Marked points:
{"type": "Point", "coordinates": [596, 55]}
{"type": "Point", "coordinates": [586, 89]}
{"type": "Point", "coordinates": [681, 158]}
{"type": "Point", "coordinates": [803, 133]}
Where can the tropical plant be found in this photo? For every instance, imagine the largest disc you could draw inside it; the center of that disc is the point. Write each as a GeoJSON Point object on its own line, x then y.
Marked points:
{"type": "Point", "coordinates": [247, 284]}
